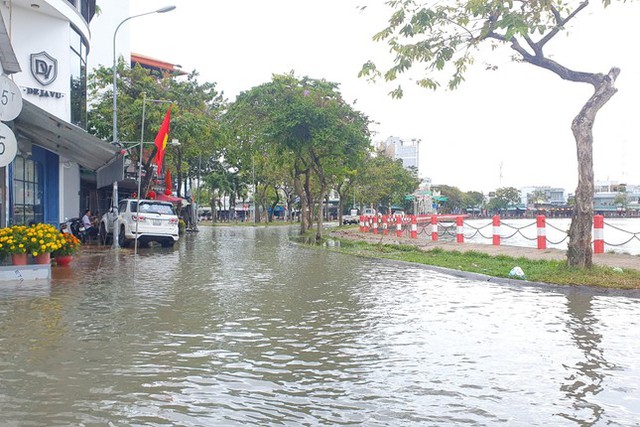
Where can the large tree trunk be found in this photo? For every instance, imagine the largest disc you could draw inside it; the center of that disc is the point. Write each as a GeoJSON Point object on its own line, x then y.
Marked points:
{"type": "Point", "coordinates": [297, 183]}
{"type": "Point", "coordinates": [320, 219]}
{"type": "Point", "coordinates": [579, 253]}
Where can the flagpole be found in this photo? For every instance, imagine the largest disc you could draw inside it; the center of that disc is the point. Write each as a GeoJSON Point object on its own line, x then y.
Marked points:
{"type": "Point", "coordinates": [135, 244]}
{"type": "Point", "coordinates": [144, 105]}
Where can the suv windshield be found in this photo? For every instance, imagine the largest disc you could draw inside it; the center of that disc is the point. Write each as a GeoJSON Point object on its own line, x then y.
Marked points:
{"type": "Point", "coordinates": [151, 207]}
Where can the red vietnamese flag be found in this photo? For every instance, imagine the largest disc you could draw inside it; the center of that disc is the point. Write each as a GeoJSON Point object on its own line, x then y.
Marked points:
{"type": "Point", "coordinates": [161, 139]}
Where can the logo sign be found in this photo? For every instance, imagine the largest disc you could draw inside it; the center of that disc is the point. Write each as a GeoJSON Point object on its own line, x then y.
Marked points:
{"type": "Point", "coordinates": [10, 99]}
{"type": "Point", "coordinates": [8, 145]}
{"type": "Point", "coordinates": [44, 68]}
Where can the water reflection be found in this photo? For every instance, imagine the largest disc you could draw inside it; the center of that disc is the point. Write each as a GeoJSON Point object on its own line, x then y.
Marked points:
{"type": "Point", "coordinates": [586, 376]}
{"type": "Point", "coordinates": [239, 326]}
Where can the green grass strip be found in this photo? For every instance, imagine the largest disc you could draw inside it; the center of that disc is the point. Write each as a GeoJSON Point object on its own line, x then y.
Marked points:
{"type": "Point", "coordinates": [556, 272]}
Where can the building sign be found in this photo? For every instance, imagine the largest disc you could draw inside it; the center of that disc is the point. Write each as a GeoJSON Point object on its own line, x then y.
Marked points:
{"type": "Point", "coordinates": [10, 99]}
{"type": "Point", "coordinates": [8, 145]}
{"type": "Point", "coordinates": [44, 68]}
{"type": "Point", "coordinates": [42, 93]}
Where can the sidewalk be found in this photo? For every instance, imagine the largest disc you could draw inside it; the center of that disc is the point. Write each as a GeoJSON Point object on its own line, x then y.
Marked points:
{"type": "Point", "coordinates": [623, 261]}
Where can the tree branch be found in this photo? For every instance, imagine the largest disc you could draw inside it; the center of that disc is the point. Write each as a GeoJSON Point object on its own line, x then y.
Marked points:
{"type": "Point", "coordinates": [594, 79]}
{"type": "Point", "coordinates": [560, 23]}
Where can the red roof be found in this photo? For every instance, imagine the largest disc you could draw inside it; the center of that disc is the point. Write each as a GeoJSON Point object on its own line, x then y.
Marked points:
{"type": "Point", "coordinates": [156, 64]}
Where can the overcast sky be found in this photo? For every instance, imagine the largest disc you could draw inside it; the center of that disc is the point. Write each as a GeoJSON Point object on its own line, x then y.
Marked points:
{"type": "Point", "coordinates": [509, 127]}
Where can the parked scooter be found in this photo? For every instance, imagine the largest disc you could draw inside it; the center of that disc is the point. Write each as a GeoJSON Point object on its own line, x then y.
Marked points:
{"type": "Point", "coordinates": [75, 227]}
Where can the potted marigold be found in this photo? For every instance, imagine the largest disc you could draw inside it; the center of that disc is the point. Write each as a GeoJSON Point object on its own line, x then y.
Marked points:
{"type": "Point", "coordinates": [64, 255]}
{"type": "Point", "coordinates": [42, 240]}
{"type": "Point", "coordinates": [39, 240]}
{"type": "Point", "coordinates": [14, 241]}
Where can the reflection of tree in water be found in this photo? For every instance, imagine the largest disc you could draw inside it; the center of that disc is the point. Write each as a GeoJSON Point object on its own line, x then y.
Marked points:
{"type": "Point", "coordinates": [587, 375]}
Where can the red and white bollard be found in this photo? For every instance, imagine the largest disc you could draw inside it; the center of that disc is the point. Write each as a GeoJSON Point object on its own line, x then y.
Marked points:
{"type": "Point", "coordinates": [399, 220]}
{"type": "Point", "coordinates": [598, 234]}
{"type": "Point", "coordinates": [414, 227]}
{"type": "Point", "coordinates": [362, 223]}
{"type": "Point", "coordinates": [385, 225]}
{"type": "Point", "coordinates": [541, 223]}
{"type": "Point", "coordinates": [434, 228]}
{"type": "Point", "coordinates": [496, 230]}
{"type": "Point", "coordinates": [375, 224]}
{"type": "Point", "coordinates": [459, 229]}
{"type": "Point", "coordinates": [366, 224]}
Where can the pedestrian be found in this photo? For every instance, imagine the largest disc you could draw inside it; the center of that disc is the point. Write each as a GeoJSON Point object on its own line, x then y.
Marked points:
{"type": "Point", "coordinates": [87, 222]}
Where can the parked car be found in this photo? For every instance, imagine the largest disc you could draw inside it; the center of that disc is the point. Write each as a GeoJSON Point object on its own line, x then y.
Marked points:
{"type": "Point", "coordinates": [352, 218]}
{"type": "Point", "coordinates": [369, 212]}
{"type": "Point", "coordinates": [156, 221]}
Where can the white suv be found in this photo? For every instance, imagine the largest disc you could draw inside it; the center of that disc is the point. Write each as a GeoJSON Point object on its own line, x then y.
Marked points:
{"type": "Point", "coordinates": [156, 221]}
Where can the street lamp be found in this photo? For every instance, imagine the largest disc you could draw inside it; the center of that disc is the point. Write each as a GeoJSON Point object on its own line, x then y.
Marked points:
{"type": "Point", "coordinates": [115, 107]}
{"type": "Point", "coordinates": [115, 73]}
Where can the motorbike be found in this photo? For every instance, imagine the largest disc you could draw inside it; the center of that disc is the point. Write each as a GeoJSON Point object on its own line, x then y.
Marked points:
{"type": "Point", "coordinates": [75, 227]}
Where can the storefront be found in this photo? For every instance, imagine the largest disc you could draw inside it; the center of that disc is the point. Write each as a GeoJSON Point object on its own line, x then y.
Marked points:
{"type": "Point", "coordinates": [43, 51]}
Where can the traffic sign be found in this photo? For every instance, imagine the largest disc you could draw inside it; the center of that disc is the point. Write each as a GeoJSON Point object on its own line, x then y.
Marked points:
{"type": "Point", "coordinates": [8, 145]}
{"type": "Point", "coordinates": [10, 99]}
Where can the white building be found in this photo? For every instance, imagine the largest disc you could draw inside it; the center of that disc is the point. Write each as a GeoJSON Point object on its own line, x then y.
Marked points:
{"type": "Point", "coordinates": [612, 196]}
{"type": "Point", "coordinates": [553, 196]}
{"type": "Point", "coordinates": [407, 150]}
{"type": "Point", "coordinates": [43, 49]}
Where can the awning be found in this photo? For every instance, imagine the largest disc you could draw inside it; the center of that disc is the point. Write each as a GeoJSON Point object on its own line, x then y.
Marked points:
{"type": "Point", "coordinates": [63, 138]}
{"type": "Point", "coordinates": [172, 199]}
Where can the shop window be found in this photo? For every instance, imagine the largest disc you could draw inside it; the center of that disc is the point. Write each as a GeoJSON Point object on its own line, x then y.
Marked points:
{"type": "Point", "coordinates": [78, 84]}
{"type": "Point", "coordinates": [27, 191]}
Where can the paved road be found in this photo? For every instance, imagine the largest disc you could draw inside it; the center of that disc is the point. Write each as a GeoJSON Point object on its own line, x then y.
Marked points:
{"type": "Point", "coordinates": [623, 261]}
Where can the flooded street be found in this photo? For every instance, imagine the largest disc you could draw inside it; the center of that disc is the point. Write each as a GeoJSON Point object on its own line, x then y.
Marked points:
{"type": "Point", "coordinates": [239, 326]}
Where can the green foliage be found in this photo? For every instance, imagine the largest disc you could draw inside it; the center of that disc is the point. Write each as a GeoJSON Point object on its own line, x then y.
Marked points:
{"type": "Point", "coordinates": [443, 37]}
{"type": "Point", "coordinates": [504, 198]}
{"type": "Point", "coordinates": [474, 199]}
{"type": "Point", "coordinates": [195, 111]}
{"type": "Point", "coordinates": [455, 199]}
{"type": "Point", "coordinates": [382, 181]}
{"type": "Point", "coordinates": [296, 132]}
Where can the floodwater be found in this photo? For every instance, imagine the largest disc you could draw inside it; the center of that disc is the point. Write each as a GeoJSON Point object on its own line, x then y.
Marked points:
{"type": "Point", "coordinates": [239, 326]}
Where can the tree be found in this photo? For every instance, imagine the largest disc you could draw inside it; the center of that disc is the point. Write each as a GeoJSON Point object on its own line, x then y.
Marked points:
{"type": "Point", "coordinates": [504, 198]}
{"type": "Point", "coordinates": [194, 112]}
{"type": "Point", "coordinates": [382, 181]}
{"type": "Point", "coordinates": [621, 200]}
{"type": "Point", "coordinates": [474, 200]}
{"type": "Point", "coordinates": [538, 196]}
{"type": "Point", "coordinates": [442, 36]}
{"type": "Point", "coordinates": [307, 122]}
{"type": "Point", "coordinates": [455, 198]}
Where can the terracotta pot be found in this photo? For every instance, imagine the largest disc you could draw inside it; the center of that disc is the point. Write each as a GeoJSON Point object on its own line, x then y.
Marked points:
{"type": "Point", "coordinates": [44, 258]}
{"type": "Point", "coordinates": [19, 259]}
{"type": "Point", "coordinates": [63, 260]}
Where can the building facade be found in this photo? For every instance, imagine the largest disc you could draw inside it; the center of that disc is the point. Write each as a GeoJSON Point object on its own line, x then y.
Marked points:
{"type": "Point", "coordinates": [44, 47]}
{"type": "Point", "coordinates": [552, 196]}
{"type": "Point", "coordinates": [407, 150]}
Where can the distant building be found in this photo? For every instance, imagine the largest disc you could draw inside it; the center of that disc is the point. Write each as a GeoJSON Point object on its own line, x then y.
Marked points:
{"type": "Point", "coordinates": [552, 196]}
{"type": "Point", "coordinates": [407, 150]}
{"type": "Point", "coordinates": [612, 196]}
